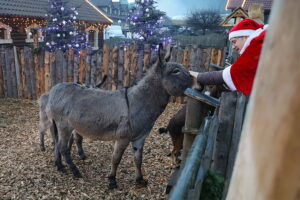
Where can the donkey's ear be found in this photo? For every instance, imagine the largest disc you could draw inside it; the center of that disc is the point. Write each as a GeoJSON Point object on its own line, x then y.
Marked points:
{"type": "Point", "coordinates": [168, 54]}
{"type": "Point", "coordinates": [160, 48]}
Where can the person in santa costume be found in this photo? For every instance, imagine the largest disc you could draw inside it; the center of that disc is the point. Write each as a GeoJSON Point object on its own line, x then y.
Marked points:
{"type": "Point", "coordinates": [247, 38]}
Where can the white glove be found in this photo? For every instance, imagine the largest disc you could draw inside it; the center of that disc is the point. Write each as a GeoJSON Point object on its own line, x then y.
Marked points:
{"type": "Point", "coordinates": [194, 74]}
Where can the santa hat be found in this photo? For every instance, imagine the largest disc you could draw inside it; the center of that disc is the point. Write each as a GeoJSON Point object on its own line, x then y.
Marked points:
{"type": "Point", "coordinates": [244, 28]}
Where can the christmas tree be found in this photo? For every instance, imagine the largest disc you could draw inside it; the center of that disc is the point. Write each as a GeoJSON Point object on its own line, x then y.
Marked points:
{"type": "Point", "coordinates": [145, 22]}
{"type": "Point", "coordinates": [61, 31]}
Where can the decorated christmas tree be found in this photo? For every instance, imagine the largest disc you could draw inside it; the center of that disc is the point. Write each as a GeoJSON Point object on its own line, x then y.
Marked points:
{"type": "Point", "coordinates": [61, 31]}
{"type": "Point", "coordinates": [145, 23]}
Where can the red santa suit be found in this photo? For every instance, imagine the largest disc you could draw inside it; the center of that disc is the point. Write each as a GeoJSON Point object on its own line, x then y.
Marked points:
{"type": "Point", "coordinates": [241, 74]}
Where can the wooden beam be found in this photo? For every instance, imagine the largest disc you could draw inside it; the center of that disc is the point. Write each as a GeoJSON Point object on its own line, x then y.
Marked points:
{"type": "Point", "coordinates": [267, 165]}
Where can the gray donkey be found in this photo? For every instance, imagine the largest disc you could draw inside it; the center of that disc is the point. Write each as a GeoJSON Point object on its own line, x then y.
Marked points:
{"type": "Point", "coordinates": [125, 116]}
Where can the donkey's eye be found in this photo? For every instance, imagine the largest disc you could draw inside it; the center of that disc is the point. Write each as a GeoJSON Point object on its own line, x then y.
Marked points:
{"type": "Point", "coordinates": [176, 71]}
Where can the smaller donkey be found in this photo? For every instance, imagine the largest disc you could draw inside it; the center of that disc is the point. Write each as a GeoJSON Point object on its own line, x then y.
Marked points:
{"type": "Point", "coordinates": [45, 124]}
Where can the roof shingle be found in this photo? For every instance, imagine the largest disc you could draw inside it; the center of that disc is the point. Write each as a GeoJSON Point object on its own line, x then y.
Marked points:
{"type": "Point", "coordinates": [38, 8]}
{"type": "Point", "coordinates": [233, 4]}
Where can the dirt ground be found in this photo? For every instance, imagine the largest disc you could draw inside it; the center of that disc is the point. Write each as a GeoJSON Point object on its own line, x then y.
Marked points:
{"type": "Point", "coordinates": [28, 173]}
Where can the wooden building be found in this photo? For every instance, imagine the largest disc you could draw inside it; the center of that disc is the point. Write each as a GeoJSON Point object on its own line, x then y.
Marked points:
{"type": "Point", "coordinates": [17, 17]}
{"type": "Point", "coordinates": [246, 4]}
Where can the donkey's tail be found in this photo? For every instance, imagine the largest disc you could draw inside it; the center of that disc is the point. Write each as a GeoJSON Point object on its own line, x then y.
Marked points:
{"type": "Point", "coordinates": [54, 132]}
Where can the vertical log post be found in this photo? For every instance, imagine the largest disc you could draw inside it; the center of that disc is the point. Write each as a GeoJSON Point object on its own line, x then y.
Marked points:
{"type": "Point", "coordinates": [114, 74]}
{"type": "Point", "coordinates": [47, 77]}
{"type": "Point", "coordinates": [147, 55]}
{"type": "Point", "coordinates": [105, 67]}
{"type": "Point", "coordinates": [127, 56]}
{"type": "Point", "coordinates": [267, 164]}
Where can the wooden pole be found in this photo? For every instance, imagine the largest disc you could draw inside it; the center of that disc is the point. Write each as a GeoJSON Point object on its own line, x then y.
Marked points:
{"type": "Point", "coordinates": [47, 71]}
{"type": "Point", "coordinates": [147, 54]}
{"type": "Point", "coordinates": [70, 65]}
{"type": "Point", "coordinates": [23, 73]}
{"type": "Point", "coordinates": [127, 56]}
{"type": "Point", "coordinates": [105, 66]}
{"type": "Point", "coordinates": [133, 64]}
{"type": "Point", "coordinates": [267, 165]}
{"type": "Point", "coordinates": [82, 67]}
{"type": "Point", "coordinates": [1, 74]}
{"type": "Point", "coordinates": [114, 74]}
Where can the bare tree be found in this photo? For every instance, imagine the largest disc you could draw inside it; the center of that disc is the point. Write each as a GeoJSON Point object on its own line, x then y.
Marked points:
{"type": "Point", "coordinates": [204, 20]}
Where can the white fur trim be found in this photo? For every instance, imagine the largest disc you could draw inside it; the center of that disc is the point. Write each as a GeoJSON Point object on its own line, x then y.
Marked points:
{"type": "Point", "coordinates": [252, 36]}
{"type": "Point", "coordinates": [240, 33]}
{"type": "Point", "coordinates": [227, 78]}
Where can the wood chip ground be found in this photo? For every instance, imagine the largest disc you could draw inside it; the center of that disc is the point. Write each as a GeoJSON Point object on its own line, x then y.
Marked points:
{"type": "Point", "coordinates": [28, 173]}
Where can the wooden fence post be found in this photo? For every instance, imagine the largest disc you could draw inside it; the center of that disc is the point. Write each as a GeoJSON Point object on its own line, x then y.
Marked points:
{"type": "Point", "coordinates": [147, 55]}
{"type": "Point", "coordinates": [121, 67]}
{"type": "Point", "coordinates": [82, 66]}
{"type": "Point", "coordinates": [70, 65]}
{"type": "Point", "coordinates": [47, 77]}
{"type": "Point", "coordinates": [127, 58]}
{"type": "Point", "coordinates": [105, 67]}
{"type": "Point", "coordinates": [2, 65]}
{"type": "Point", "coordinates": [133, 64]}
{"type": "Point", "coordinates": [114, 74]}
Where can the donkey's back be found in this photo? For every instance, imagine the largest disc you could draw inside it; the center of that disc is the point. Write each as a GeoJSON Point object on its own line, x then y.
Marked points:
{"type": "Point", "coordinates": [93, 113]}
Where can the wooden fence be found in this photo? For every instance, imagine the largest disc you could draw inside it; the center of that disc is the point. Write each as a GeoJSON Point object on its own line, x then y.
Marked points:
{"type": "Point", "coordinates": [28, 74]}
{"type": "Point", "coordinates": [214, 148]}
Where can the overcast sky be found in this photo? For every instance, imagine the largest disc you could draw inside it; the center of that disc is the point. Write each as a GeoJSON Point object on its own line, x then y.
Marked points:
{"type": "Point", "coordinates": [175, 8]}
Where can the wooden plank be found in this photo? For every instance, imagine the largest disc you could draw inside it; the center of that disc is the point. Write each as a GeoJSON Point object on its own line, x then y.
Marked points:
{"type": "Point", "coordinates": [99, 66]}
{"type": "Point", "coordinates": [207, 157]}
{"type": "Point", "coordinates": [105, 63]}
{"type": "Point", "coordinates": [235, 139]}
{"type": "Point", "coordinates": [147, 55]}
{"type": "Point", "coordinates": [42, 71]}
{"type": "Point", "coordinates": [120, 67]}
{"type": "Point", "coordinates": [140, 65]}
{"type": "Point", "coordinates": [114, 74]}
{"type": "Point", "coordinates": [127, 58]}
{"type": "Point", "coordinates": [18, 74]}
{"type": "Point", "coordinates": [88, 68]}
{"type": "Point", "coordinates": [194, 59]}
{"type": "Point", "coordinates": [64, 66]}
{"type": "Point", "coordinates": [133, 65]}
{"type": "Point", "coordinates": [186, 57]}
{"type": "Point", "coordinates": [187, 177]}
{"type": "Point", "coordinates": [70, 64]}
{"type": "Point", "coordinates": [23, 74]}
{"type": "Point", "coordinates": [82, 66]}
{"type": "Point", "coordinates": [28, 72]}
{"type": "Point", "coordinates": [174, 54]}
{"type": "Point", "coordinates": [202, 97]}
{"type": "Point", "coordinates": [32, 74]}
{"type": "Point", "coordinates": [226, 116]}
{"type": "Point", "coordinates": [52, 70]}
{"type": "Point", "coordinates": [7, 73]}
{"type": "Point", "coordinates": [36, 70]}
{"type": "Point", "coordinates": [94, 69]}
{"type": "Point", "coordinates": [58, 66]}
{"type": "Point", "coordinates": [2, 66]}
{"type": "Point", "coordinates": [47, 78]}
{"type": "Point", "coordinates": [76, 68]}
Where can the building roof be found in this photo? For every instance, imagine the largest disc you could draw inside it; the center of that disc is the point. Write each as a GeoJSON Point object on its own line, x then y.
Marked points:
{"type": "Point", "coordinates": [233, 4]}
{"type": "Point", "coordinates": [267, 3]}
{"type": "Point", "coordinates": [38, 8]}
{"type": "Point", "coordinates": [102, 2]}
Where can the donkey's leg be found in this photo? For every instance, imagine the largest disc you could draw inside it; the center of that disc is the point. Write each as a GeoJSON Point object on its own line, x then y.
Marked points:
{"type": "Point", "coordinates": [42, 132]}
{"type": "Point", "coordinates": [64, 134]}
{"type": "Point", "coordinates": [78, 140]}
{"type": "Point", "coordinates": [54, 134]}
{"type": "Point", "coordinates": [70, 142]}
{"type": "Point", "coordinates": [119, 148]}
{"type": "Point", "coordinates": [138, 146]}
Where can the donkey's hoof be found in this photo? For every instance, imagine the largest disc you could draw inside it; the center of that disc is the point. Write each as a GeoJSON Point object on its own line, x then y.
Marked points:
{"type": "Point", "coordinates": [82, 156]}
{"type": "Point", "coordinates": [112, 182]}
{"type": "Point", "coordinates": [61, 169]}
{"type": "Point", "coordinates": [141, 182]}
{"type": "Point", "coordinates": [112, 185]}
{"type": "Point", "coordinates": [42, 148]}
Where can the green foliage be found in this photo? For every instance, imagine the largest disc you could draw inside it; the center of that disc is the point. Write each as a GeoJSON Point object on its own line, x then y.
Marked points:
{"type": "Point", "coordinates": [212, 186]}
